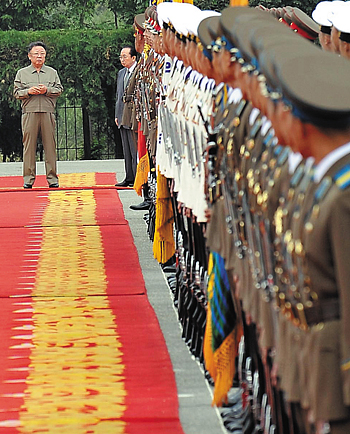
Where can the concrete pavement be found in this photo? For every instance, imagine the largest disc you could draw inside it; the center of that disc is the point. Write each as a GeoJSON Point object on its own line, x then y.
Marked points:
{"type": "Point", "coordinates": [196, 414]}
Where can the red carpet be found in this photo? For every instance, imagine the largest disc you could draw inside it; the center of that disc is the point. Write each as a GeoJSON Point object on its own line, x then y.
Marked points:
{"type": "Point", "coordinates": [81, 350]}
{"type": "Point", "coordinates": [100, 180]}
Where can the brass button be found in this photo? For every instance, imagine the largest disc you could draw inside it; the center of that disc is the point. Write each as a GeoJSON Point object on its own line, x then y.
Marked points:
{"type": "Point", "coordinates": [309, 227]}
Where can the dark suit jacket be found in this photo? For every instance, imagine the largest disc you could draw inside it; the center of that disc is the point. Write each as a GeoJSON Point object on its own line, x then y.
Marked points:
{"type": "Point", "coordinates": [119, 104]}
{"type": "Point", "coordinates": [127, 119]}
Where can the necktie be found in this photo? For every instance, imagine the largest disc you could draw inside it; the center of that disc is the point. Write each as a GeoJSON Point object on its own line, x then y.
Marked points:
{"type": "Point", "coordinates": [126, 78]}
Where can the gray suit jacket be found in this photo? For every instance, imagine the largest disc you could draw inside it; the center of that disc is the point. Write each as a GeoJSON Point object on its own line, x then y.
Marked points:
{"type": "Point", "coordinates": [119, 104]}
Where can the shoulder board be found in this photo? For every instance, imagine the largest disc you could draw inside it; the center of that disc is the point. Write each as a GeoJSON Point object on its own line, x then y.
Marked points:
{"type": "Point", "coordinates": [242, 104]}
{"type": "Point", "coordinates": [345, 365]}
{"type": "Point", "coordinates": [255, 128]}
{"type": "Point", "coordinates": [306, 179]}
{"type": "Point", "coordinates": [268, 138]}
{"type": "Point", "coordinates": [323, 188]}
{"type": "Point", "coordinates": [283, 156]}
{"type": "Point", "coordinates": [297, 175]}
{"type": "Point", "coordinates": [342, 178]}
{"type": "Point", "coordinates": [277, 150]}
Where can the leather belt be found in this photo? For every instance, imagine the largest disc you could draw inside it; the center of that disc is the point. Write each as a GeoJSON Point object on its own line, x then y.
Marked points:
{"type": "Point", "coordinates": [322, 311]}
{"type": "Point", "coordinates": [305, 317]}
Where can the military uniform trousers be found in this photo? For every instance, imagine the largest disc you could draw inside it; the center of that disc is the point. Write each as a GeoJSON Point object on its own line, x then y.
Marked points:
{"type": "Point", "coordinates": [43, 125]}
{"type": "Point", "coordinates": [130, 153]}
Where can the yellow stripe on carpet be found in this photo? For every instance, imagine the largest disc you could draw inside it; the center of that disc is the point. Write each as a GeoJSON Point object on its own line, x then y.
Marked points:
{"type": "Point", "coordinates": [68, 180]}
{"type": "Point", "coordinates": [75, 381]}
{"type": "Point", "coordinates": [70, 208]}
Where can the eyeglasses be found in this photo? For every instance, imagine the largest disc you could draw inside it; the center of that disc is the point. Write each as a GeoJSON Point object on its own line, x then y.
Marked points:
{"type": "Point", "coordinates": [38, 54]}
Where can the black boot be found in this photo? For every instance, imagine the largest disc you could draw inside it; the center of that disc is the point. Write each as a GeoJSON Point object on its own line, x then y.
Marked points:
{"type": "Point", "coordinates": [146, 200]}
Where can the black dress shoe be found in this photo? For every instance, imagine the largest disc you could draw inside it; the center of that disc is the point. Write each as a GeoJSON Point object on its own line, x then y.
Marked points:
{"type": "Point", "coordinates": [124, 183]}
{"type": "Point", "coordinates": [27, 186]}
{"type": "Point", "coordinates": [141, 206]}
{"type": "Point", "coordinates": [54, 185]}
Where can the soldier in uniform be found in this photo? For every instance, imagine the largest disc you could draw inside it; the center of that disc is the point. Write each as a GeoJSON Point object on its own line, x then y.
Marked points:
{"type": "Point", "coordinates": [321, 127]}
{"type": "Point", "coordinates": [310, 109]}
{"type": "Point", "coordinates": [341, 23]}
{"type": "Point", "coordinates": [320, 16]}
{"type": "Point", "coordinates": [279, 59]}
{"type": "Point", "coordinates": [334, 8]}
{"type": "Point", "coordinates": [277, 228]}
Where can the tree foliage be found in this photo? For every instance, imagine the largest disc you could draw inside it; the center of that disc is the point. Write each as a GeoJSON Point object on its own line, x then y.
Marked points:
{"type": "Point", "coordinates": [306, 5]}
{"type": "Point", "coordinates": [125, 11]}
{"type": "Point", "coordinates": [74, 14]}
{"type": "Point", "coordinates": [215, 5]}
{"type": "Point", "coordinates": [69, 14]}
{"type": "Point", "coordinates": [22, 14]}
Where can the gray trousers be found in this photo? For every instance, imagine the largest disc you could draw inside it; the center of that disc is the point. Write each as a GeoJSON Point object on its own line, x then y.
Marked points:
{"type": "Point", "coordinates": [130, 153]}
{"type": "Point", "coordinates": [33, 125]}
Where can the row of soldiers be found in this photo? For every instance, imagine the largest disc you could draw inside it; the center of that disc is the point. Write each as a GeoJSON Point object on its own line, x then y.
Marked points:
{"type": "Point", "coordinates": [247, 119]}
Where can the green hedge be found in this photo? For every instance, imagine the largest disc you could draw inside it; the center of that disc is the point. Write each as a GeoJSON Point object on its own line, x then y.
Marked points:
{"type": "Point", "coordinates": [87, 62]}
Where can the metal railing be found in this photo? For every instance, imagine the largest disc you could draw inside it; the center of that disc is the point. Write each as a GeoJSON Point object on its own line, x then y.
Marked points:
{"type": "Point", "coordinates": [81, 136]}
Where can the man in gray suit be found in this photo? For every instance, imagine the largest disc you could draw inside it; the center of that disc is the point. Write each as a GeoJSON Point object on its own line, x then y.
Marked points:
{"type": "Point", "coordinates": [128, 61]}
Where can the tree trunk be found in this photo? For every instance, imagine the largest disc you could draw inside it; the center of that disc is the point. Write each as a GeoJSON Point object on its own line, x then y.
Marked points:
{"type": "Point", "coordinates": [115, 19]}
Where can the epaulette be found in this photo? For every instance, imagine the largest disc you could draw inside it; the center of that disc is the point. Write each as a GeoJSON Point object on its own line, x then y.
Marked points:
{"type": "Point", "coordinates": [283, 156]}
{"type": "Point", "coordinates": [345, 365]}
{"type": "Point", "coordinates": [323, 189]}
{"type": "Point", "coordinates": [342, 177]}
{"type": "Point", "coordinates": [268, 139]}
{"type": "Point", "coordinates": [297, 175]}
{"type": "Point", "coordinates": [277, 150]}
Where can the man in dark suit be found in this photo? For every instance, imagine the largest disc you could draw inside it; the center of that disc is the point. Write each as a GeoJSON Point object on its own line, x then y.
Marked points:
{"type": "Point", "coordinates": [128, 61]}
